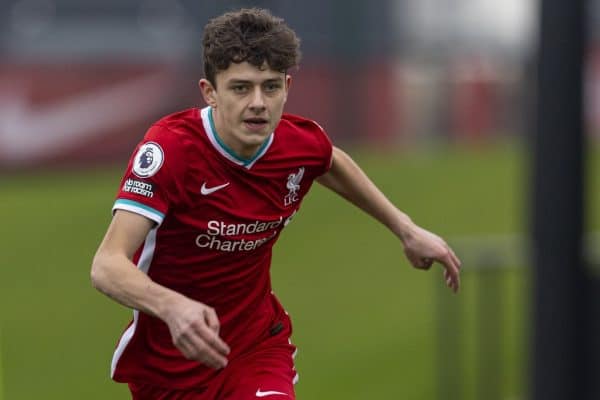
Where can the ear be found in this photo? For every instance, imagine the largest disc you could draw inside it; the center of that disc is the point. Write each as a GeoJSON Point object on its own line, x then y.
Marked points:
{"type": "Point", "coordinates": [208, 92]}
{"type": "Point", "coordinates": [288, 84]}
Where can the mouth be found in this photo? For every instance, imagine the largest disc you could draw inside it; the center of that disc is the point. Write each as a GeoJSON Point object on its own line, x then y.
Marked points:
{"type": "Point", "coordinates": [255, 124]}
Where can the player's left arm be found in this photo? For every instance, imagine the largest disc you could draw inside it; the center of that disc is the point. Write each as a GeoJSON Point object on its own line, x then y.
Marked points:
{"type": "Point", "coordinates": [421, 247]}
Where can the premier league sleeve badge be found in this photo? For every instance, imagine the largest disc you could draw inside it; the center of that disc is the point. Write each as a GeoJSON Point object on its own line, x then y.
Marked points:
{"type": "Point", "coordinates": [148, 160]}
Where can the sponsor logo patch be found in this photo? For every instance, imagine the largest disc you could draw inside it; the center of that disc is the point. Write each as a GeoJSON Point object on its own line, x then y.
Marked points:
{"type": "Point", "coordinates": [138, 187]}
{"type": "Point", "coordinates": [148, 160]}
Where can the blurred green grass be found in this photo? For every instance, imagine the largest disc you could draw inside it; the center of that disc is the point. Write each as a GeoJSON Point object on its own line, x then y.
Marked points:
{"type": "Point", "coordinates": [365, 323]}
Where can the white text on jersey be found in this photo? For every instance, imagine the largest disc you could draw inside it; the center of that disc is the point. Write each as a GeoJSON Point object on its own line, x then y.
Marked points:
{"type": "Point", "coordinates": [223, 229]}
{"type": "Point", "coordinates": [217, 231]}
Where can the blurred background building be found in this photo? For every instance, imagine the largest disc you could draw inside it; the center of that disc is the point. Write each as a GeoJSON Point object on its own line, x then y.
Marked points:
{"type": "Point", "coordinates": [82, 80]}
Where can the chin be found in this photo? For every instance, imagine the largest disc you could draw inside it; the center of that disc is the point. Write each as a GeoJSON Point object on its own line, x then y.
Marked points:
{"type": "Point", "coordinates": [255, 137]}
{"type": "Point", "coordinates": [256, 140]}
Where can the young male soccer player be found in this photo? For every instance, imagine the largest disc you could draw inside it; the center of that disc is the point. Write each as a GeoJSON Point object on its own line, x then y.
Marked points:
{"type": "Point", "coordinates": [205, 197]}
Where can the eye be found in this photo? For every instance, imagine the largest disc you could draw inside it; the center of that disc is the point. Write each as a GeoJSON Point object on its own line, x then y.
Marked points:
{"type": "Point", "coordinates": [272, 86]}
{"type": "Point", "coordinates": [239, 89]}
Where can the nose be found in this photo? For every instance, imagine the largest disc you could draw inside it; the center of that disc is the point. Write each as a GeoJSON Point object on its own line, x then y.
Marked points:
{"type": "Point", "coordinates": [257, 101]}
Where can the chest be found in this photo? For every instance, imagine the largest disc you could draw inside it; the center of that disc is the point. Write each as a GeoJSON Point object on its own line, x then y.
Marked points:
{"type": "Point", "coordinates": [229, 200]}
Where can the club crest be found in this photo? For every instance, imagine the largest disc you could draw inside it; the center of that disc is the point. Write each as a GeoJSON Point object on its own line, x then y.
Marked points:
{"type": "Point", "coordinates": [293, 185]}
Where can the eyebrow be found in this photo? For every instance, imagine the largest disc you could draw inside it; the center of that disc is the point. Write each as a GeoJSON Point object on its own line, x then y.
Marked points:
{"type": "Point", "coordinates": [245, 81]}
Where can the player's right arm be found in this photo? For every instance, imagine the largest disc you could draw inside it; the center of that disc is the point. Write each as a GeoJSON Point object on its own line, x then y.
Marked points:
{"type": "Point", "coordinates": [194, 326]}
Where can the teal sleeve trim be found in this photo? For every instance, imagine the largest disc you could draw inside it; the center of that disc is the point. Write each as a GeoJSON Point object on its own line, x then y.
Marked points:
{"type": "Point", "coordinates": [132, 203]}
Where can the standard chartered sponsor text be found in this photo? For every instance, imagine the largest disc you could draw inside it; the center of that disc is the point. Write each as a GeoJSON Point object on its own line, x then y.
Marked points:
{"type": "Point", "coordinates": [219, 228]}
{"type": "Point", "coordinates": [211, 242]}
{"type": "Point", "coordinates": [223, 229]}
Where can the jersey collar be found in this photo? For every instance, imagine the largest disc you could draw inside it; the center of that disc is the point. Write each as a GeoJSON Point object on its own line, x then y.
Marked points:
{"type": "Point", "coordinates": [221, 147]}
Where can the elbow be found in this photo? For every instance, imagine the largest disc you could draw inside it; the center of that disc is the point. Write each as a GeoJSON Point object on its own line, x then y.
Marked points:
{"type": "Point", "coordinates": [95, 274]}
{"type": "Point", "coordinates": [98, 272]}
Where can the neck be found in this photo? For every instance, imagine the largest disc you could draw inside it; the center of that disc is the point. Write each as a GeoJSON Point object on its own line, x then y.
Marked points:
{"type": "Point", "coordinates": [239, 150]}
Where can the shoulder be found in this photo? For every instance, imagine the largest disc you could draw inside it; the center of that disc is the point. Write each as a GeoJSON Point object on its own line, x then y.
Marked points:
{"type": "Point", "coordinates": [306, 138]}
{"type": "Point", "coordinates": [302, 126]}
{"type": "Point", "coordinates": [305, 125]}
{"type": "Point", "coordinates": [166, 139]}
{"type": "Point", "coordinates": [178, 123]}
{"type": "Point", "coordinates": [175, 130]}
{"type": "Point", "coordinates": [300, 129]}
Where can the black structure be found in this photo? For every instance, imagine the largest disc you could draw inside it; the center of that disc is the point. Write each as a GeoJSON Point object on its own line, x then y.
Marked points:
{"type": "Point", "coordinates": [561, 340]}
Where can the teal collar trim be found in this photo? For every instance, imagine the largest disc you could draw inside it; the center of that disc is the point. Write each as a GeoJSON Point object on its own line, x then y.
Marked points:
{"type": "Point", "coordinates": [246, 162]}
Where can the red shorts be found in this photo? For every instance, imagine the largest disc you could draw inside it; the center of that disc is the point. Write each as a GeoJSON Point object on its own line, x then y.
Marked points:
{"type": "Point", "coordinates": [268, 372]}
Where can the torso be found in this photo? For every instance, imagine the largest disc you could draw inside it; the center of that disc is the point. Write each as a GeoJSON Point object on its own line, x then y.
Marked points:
{"type": "Point", "coordinates": [222, 216]}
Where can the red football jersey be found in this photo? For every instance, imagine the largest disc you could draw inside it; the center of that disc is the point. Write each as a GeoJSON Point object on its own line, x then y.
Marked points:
{"type": "Point", "coordinates": [217, 218]}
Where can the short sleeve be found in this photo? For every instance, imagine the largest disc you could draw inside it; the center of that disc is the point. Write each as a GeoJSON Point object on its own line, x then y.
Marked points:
{"type": "Point", "coordinates": [150, 185]}
{"type": "Point", "coordinates": [326, 148]}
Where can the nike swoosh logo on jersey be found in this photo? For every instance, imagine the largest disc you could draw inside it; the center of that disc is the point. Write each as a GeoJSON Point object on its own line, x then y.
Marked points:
{"type": "Point", "coordinates": [268, 393]}
{"type": "Point", "coordinates": [206, 190]}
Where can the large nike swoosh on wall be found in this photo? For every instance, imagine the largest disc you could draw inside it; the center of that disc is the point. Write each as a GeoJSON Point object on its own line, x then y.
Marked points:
{"type": "Point", "coordinates": [28, 133]}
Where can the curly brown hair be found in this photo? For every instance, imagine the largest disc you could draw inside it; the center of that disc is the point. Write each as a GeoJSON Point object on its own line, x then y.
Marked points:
{"type": "Point", "coordinates": [250, 34]}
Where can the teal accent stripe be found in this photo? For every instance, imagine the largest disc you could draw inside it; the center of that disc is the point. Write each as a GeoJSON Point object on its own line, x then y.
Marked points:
{"type": "Point", "coordinates": [261, 150]}
{"type": "Point", "coordinates": [244, 161]}
{"type": "Point", "coordinates": [140, 205]}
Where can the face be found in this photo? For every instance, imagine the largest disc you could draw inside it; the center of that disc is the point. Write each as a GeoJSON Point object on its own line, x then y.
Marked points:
{"type": "Point", "coordinates": [247, 104]}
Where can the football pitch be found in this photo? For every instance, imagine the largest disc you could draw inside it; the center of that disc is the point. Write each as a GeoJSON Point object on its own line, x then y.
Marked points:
{"type": "Point", "coordinates": [366, 324]}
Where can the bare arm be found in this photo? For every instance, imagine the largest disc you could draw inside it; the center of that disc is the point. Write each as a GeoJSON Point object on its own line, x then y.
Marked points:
{"type": "Point", "coordinates": [194, 326]}
{"type": "Point", "coordinates": [421, 247]}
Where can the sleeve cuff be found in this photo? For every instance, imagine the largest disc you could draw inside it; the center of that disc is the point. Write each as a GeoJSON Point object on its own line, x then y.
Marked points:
{"type": "Point", "coordinates": [139, 208]}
